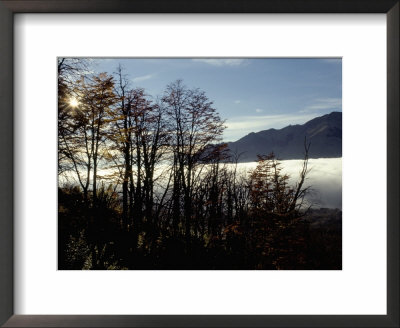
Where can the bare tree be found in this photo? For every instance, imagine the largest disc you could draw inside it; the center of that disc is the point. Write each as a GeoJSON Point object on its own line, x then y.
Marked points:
{"type": "Point", "coordinates": [196, 126]}
{"type": "Point", "coordinates": [70, 71]}
{"type": "Point", "coordinates": [86, 122]}
{"type": "Point", "coordinates": [121, 134]}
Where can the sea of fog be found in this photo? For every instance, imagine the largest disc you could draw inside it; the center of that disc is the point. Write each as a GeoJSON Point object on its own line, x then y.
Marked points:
{"type": "Point", "coordinates": [324, 178]}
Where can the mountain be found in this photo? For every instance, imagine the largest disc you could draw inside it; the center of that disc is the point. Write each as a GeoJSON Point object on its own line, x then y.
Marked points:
{"type": "Point", "coordinates": [324, 133]}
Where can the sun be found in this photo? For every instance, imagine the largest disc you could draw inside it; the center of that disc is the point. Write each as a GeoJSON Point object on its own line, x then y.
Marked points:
{"type": "Point", "coordinates": [73, 102]}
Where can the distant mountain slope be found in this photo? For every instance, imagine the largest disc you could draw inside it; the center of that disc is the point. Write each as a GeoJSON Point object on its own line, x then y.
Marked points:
{"type": "Point", "coordinates": [324, 133]}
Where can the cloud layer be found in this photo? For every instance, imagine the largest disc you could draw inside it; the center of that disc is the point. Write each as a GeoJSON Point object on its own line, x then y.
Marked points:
{"type": "Point", "coordinates": [221, 62]}
{"type": "Point", "coordinates": [143, 78]}
{"type": "Point", "coordinates": [324, 179]}
{"type": "Point", "coordinates": [324, 104]}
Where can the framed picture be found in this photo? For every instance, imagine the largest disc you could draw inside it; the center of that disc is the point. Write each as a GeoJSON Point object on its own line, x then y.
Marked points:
{"type": "Point", "coordinates": [194, 253]}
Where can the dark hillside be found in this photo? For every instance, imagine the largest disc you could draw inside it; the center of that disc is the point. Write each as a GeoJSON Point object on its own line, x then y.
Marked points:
{"type": "Point", "coordinates": [324, 133]}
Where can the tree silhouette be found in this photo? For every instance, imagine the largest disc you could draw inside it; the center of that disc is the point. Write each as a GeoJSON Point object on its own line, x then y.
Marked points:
{"type": "Point", "coordinates": [195, 125]}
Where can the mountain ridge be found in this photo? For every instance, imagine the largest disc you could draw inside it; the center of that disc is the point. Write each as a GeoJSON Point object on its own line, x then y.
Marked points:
{"type": "Point", "coordinates": [324, 133]}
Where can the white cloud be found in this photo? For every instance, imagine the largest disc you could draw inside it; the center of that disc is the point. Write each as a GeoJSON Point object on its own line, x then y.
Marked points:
{"type": "Point", "coordinates": [103, 59]}
{"type": "Point", "coordinates": [143, 78]}
{"type": "Point", "coordinates": [221, 62]}
{"type": "Point", "coordinates": [259, 110]}
{"type": "Point", "coordinates": [332, 60]}
{"type": "Point", "coordinates": [237, 101]}
{"type": "Point", "coordinates": [238, 127]}
{"type": "Point", "coordinates": [324, 104]}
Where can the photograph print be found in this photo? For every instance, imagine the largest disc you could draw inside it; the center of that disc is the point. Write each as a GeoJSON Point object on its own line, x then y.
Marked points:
{"type": "Point", "coordinates": [199, 163]}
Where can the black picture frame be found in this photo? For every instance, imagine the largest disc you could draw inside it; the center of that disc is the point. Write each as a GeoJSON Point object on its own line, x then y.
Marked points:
{"type": "Point", "coordinates": [10, 7]}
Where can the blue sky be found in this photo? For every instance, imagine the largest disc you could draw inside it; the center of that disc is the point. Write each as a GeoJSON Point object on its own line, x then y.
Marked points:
{"type": "Point", "coordinates": [250, 94]}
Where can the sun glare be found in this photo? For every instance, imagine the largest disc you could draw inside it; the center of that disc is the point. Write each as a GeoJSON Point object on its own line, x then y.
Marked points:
{"type": "Point", "coordinates": [73, 102]}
